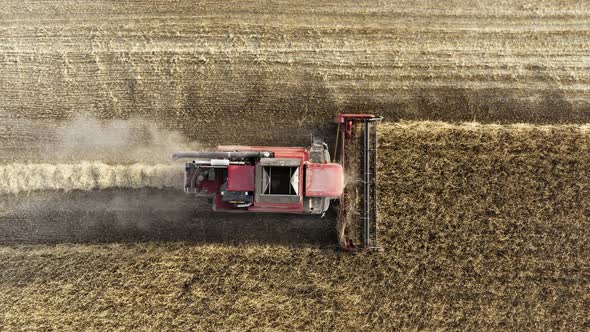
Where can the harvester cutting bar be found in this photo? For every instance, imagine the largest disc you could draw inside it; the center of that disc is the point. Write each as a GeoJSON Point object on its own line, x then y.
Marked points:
{"type": "Point", "coordinates": [367, 154]}
{"type": "Point", "coordinates": [374, 188]}
{"type": "Point", "coordinates": [370, 183]}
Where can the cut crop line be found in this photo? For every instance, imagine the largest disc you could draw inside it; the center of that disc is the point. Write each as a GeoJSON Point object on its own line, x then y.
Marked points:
{"type": "Point", "coordinates": [17, 178]}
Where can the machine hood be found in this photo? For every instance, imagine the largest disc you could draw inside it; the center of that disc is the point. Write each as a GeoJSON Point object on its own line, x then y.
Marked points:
{"type": "Point", "coordinates": [324, 180]}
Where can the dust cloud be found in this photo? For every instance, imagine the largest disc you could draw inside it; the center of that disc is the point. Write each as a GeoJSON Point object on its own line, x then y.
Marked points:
{"type": "Point", "coordinates": [115, 141]}
{"type": "Point", "coordinates": [87, 153]}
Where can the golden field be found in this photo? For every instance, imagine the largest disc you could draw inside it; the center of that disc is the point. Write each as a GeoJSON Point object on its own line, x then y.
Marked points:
{"type": "Point", "coordinates": [483, 226]}
{"type": "Point", "coordinates": [484, 220]}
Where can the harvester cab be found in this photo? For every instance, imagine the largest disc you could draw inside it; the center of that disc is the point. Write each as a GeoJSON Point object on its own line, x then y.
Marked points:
{"type": "Point", "coordinates": [245, 179]}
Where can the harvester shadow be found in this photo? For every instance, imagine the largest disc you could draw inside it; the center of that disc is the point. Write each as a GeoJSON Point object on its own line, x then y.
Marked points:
{"type": "Point", "coordinates": [115, 216]}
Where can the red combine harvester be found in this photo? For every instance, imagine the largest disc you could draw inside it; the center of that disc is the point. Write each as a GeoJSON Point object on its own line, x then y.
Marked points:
{"type": "Point", "coordinates": [297, 180]}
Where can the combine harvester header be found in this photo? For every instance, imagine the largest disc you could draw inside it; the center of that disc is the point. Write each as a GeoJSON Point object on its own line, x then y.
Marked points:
{"type": "Point", "coordinates": [247, 179]}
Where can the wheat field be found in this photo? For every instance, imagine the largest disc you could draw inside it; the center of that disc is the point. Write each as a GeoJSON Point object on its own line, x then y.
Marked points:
{"type": "Point", "coordinates": [483, 166]}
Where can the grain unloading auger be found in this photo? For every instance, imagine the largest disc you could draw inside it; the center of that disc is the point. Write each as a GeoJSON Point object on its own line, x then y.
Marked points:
{"type": "Point", "coordinates": [246, 179]}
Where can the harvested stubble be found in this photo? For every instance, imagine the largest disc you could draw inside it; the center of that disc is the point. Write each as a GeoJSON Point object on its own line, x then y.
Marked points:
{"type": "Point", "coordinates": [484, 227]}
{"type": "Point", "coordinates": [19, 178]}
